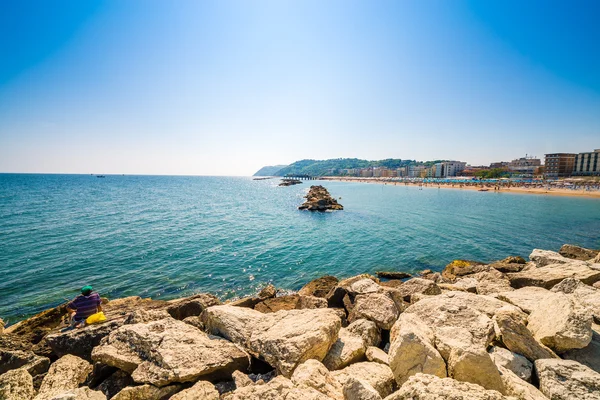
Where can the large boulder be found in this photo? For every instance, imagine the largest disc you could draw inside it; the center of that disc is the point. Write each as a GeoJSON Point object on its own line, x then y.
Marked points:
{"type": "Point", "coordinates": [547, 276]}
{"type": "Point", "coordinates": [147, 392]}
{"type": "Point", "coordinates": [517, 387]}
{"type": "Point", "coordinates": [284, 339]}
{"type": "Point", "coordinates": [202, 390]}
{"type": "Point", "coordinates": [377, 307]}
{"type": "Point", "coordinates": [379, 376]}
{"type": "Point", "coordinates": [82, 393]}
{"type": "Point", "coordinates": [577, 253]}
{"type": "Point", "coordinates": [541, 258]}
{"type": "Point", "coordinates": [412, 351]}
{"type": "Point", "coordinates": [314, 374]}
{"type": "Point", "coordinates": [430, 387]}
{"type": "Point", "coordinates": [589, 355]}
{"type": "Point", "coordinates": [526, 298]}
{"type": "Point", "coordinates": [16, 384]}
{"type": "Point", "coordinates": [514, 362]}
{"type": "Point", "coordinates": [279, 388]}
{"type": "Point", "coordinates": [418, 285]}
{"type": "Point", "coordinates": [586, 295]}
{"type": "Point", "coordinates": [169, 351]}
{"type": "Point", "coordinates": [367, 330]}
{"type": "Point", "coordinates": [458, 268]}
{"type": "Point", "coordinates": [65, 374]}
{"type": "Point", "coordinates": [509, 264]}
{"type": "Point", "coordinates": [290, 302]}
{"type": "Point", "coordinates": [511, 329]}
{"type": "Point", "coordinates": [81, 342]}
{"type": "Point", "coordinates": [561, 323]}
{"type": "Point", "coordinates": [319, 287]}
{"type": "Point", "coordinates": [347, 349]}
{"type": "Point", "coordinates": [191, 306]}
{"type": "Point", "coordinates": [566, 379]}
{"type": "Point", "coordinates": [13, 359]}
{"type": "Point", "coordinates": [491, 282]}
{"type": "Point", "coordinates": [359, 389]}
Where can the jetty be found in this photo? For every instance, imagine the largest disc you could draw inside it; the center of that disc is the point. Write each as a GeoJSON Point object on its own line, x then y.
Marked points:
{"type": "Point", "coordinates": [319, 199]}
{"type": "Point", "coordinates": [512, 329]}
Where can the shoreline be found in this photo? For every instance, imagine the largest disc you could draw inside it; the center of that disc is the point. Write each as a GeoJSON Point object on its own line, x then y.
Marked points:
{"type": "Point", "coordinates": [519, 190]}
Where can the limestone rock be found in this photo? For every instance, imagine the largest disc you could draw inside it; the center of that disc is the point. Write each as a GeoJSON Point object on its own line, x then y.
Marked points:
{"type": "Point", "coordinates": [241, 379]}
{"type": "Point", "coordinates": [82, 393]}
{"type": "Point", "coordinates": [429, 387]}
{"type": "Point", "coordinates": [313, 374]}
{"type": "Point", "coordinates": [16, 384]}
{"type": "Point", "coordinates": [551, 274]}
{"type": "Point", "coordinates": [509, 264]}
{"type": "Point", "coordinates": [13, 359]}
{"type": "Point", "coordinates": [376, 307]}
{"type": "Point", "coordinates": [267, 292]}
{"type": "Point", "coordinates": [561, 324]}
{"type": "Point", "coordinates": [80, 342]}
{"type": "Point", "coordinates": [587, 296]}
{"type": "Point", "coordinates": [363, 286]}
{"type": "Point", "coordinates": [460, 284]}
{"type": "Point", "coordinates": [191, 306]}
{"type": "Point", "coordinates": [283, 339]}
{"type": "Point", "coordinates": [279, 388]}
{"type": "Point", "coordinates": [393, 275]}
{"type": "Point", "coordinates": [566, 379]}
{"type": "Point", "coordinates": [526, 298]}
{"type": "Point", "coordinates": [490, 282]}
{"type": "Point", "coordinates": [359, 389]}
{"type": "Point", "coordinates": [459, 268]}
{"type": "Point", "coordinates": [347, 349]}
{"type": "Point", "coordinates": [418, 285]}
{"type": "Point", "coordinates": [577, 253]}
{"type": "Point", "coordinates": [67, 373]}
{"type": "Point", "coordinates": [411, 349]}
{"type": "Point", "coordinates": [319, 199]}
{"type": "Point", "coordinates": [290, 302]}
{"type": "Point", "coordinates": [379, 376]}
{"type": "Point", "coordinates": [512, 330]}
{"type": "Point", "coordinates": [484, 304]}
{"type": "Point", "coordinates": [541, 258]}
{"type": "Point", "coordinates": [514, 362]}
{"type": "Point", "coordinates": [202, 390]}
{"type": "Point", "coordinates": [589, 355]}
{"type": "Point", "coordinates": [517, 387]}
{"type": "Point", "coordinates": [143, 316]}
{"type": "Point", "coordinates": [471, 363]}
{"type": "Point", "coordinates": [319, 287]}
{"type": "Point", "coordinates": [367, 330]}
{"type": "Point", "coordinates": [375, 354]}
{"type": "Point", "coordinates": [167, 351]}
{"type": "Point", "coordinates": [1, 326]}
{"type": "Point", "coordinates": [147, 392]}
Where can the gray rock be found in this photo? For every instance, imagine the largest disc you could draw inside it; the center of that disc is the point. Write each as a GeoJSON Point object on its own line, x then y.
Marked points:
{"type": "Point", "coordinates": [566, 380]}
{"type": "Point", "coordinates": [169, 351]}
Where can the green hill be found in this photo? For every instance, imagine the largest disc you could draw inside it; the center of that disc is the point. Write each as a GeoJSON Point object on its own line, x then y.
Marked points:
{"type": "Point", "coordinates": [334, 166]}
{"type": "Point", "coordinates": [269, 170]}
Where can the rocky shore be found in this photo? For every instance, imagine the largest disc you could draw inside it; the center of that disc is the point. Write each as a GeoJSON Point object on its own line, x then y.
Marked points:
{"type": "Point", "coordinates": [511, 329]}
{"type": "Point", "coordinates": [319, 199]}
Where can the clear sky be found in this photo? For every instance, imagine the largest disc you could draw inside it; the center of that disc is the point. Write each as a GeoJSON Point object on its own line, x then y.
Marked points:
{"type": "Point", "coordinates": [225, 87]}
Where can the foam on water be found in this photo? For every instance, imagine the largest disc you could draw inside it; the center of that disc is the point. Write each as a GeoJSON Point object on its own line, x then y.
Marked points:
{"type": "Point", "coordinates": [166, 237]}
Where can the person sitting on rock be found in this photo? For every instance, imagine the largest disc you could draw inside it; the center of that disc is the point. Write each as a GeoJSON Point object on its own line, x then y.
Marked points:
{"type": "Point", "coordinates": [84, 305]}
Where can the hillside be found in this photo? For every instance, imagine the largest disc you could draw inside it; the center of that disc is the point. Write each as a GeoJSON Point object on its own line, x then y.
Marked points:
{"type": "Point", "coordinates": [333, 166]}
{"type": "Point", "coordinates": [270, 170]}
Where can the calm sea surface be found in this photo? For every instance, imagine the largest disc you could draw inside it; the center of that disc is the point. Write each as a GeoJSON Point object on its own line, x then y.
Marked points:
{"type": "Point", "coordinates": [167, 237]}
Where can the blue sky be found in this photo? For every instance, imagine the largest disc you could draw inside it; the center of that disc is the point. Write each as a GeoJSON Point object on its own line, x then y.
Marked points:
{"type": "Point", "coordinates": [225, 87]}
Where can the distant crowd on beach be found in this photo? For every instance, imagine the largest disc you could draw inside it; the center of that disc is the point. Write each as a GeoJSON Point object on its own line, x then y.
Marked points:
{"type": "Point", "coordinates": [518, 185]}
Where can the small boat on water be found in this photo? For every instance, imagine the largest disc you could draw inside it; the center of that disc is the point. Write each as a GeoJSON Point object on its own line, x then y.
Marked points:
{"type": "Point", "coordinates": [100, 176]}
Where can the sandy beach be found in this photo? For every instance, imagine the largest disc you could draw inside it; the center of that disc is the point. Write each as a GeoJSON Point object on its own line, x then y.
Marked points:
{"type": "Point", "coordinates": [553, 191]}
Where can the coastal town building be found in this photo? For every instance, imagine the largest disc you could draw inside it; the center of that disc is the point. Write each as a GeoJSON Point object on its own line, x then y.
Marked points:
{"type": "Point", "coordinates": [525, 165]}
{"type": "Point", "coordinates": [449, 168]}
{"type": "Point", "coordinates": [414, 171]}
{"type": "Point", "coordinates": [559, 164]}
{"type": "Point", "coordinates": [587, 163]}
{"type": "Point", "coordinates": [500, 164]}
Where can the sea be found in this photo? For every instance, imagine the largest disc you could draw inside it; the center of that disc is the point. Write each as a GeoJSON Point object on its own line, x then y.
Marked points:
{"type": "Point", "coordinates": [172, 236]}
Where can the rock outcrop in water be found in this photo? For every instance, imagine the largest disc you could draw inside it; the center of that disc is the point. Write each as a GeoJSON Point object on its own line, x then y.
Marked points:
{"type": "Point", "coordinates": [319, 199]}
{"type": "Point", "coordinates": [505, 330]}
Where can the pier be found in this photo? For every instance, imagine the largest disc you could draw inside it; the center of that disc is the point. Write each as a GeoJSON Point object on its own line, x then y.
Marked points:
{"type": "Point", "coordinates": [301, 177]}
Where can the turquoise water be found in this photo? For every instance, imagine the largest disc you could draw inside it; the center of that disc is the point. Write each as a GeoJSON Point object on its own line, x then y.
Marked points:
{"type": "Point", "coordinates": [166, 237]}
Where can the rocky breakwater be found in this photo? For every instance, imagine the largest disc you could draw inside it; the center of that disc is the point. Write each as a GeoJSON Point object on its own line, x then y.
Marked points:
{"type": "Point", "coordinates": [319, 199]}
{"type": "Point", "coordinates": [510, 329]}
